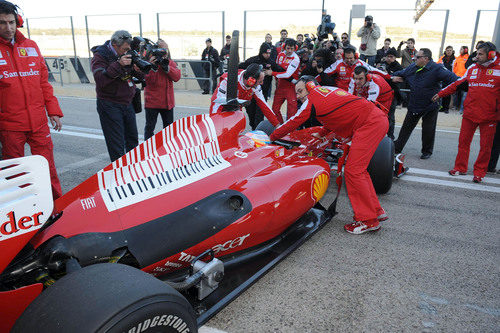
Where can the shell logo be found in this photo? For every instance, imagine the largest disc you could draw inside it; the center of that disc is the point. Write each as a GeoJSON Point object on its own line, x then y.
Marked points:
{"type": "Point", "coordinates": [320, 185]}
{"type": "Point", "coordinates": [340, 92]}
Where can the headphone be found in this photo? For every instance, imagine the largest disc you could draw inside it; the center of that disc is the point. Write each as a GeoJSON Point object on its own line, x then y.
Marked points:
{"type": "Point", "coordinates": [15, 9]}
{"type": "Point", "coordinates": [252, 79]}
{"type": "Point", "coordinates": [310, 82]}
{"type": "Point", "coordinates": [491, 49]}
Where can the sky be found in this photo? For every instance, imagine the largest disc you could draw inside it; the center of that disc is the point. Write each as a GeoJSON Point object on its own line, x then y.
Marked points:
{"type": "Point", "coordinates": [462, 15]}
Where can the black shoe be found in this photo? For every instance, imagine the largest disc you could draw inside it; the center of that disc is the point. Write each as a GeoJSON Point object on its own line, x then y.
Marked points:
{"type": "Point", "coordinates": [205, 93]}
{"type": "Point", "coordinates": [425, 156]}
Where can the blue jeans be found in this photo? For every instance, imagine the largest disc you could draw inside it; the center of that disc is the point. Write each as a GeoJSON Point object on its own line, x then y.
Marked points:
{"type": "Point", "coordinates": [369, 59]}
{"type": "Point", "coordinates": [118, 126]}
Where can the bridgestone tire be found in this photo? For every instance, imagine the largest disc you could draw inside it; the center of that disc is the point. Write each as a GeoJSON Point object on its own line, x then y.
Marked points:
{"type": "Point", "coordinates": [265, 126]}
{"type": "Point", "coordinates": [108, 298]}
{"type": "Point", "coordinates": [381, 167]}
{"type": "Point", "coordinates": [232, 67]}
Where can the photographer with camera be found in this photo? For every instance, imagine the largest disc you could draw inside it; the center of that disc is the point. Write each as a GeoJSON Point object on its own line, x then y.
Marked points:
{"type": "Point", "coordinates": [159, 91]}
{"type": "Point", "coordinates": [113, 67]}
{"type": "Point", "coordinates": [369, 33]}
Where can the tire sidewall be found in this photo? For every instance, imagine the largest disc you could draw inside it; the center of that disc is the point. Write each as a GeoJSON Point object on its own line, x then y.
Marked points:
{"type": "Point", "coordinates": [158, 314]}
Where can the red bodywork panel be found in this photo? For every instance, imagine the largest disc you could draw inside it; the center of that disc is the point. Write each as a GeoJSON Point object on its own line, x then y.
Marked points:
{"type": "Point", "coordinates": [281, 184]}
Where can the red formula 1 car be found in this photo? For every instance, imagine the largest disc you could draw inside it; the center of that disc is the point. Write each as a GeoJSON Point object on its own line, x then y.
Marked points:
{"type": "Point", "coordinates": [202, 208]}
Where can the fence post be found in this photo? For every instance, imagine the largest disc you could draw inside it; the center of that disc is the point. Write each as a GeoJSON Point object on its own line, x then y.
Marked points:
{"type": "Point", "coordinates": [496, 30]}
{"type": "Point", "coordinates": [474, 35]}
{"type": "Point", "coordinates": [88, 37]}
{"type": "Point", "coordinates": [158, 24]}
{"type": "Point", "coordinates": [244, 35]}
{"type": "Point", "coordinates": [28, 28]}
{"type": "Point", "coordinates": [444, 32]}
{"type": "Point", "coordinates": [350, 24]}
{"type": "Point", "coordinates": [74, 43]}
{"type": "Point", "coordinates": [140, 24]}
{"type": "Point", "coordinates": [223, 27]}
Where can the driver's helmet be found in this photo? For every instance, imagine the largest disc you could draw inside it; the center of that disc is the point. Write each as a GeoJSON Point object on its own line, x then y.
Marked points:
{"type": "Point", "coordinates": [259, 138]}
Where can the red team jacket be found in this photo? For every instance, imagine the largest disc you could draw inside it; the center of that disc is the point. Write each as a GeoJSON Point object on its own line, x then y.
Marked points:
{"type": "Point", "coordinates": [336, 109]}
{"type": "Point", "coordinates": [343, 72]}
{"type": "Point", "coordinates": [159, 92]}
{"type": "Point", "coordinates": [291, 65]}
{"type": "Point", "coordinates": [376, 89]}
{"type": "Point", "coordinates": [25, 92]}
{"type": "Point", "coordinates": [245, 93]}
{"type": "Point", "coordinates": [483, 97]}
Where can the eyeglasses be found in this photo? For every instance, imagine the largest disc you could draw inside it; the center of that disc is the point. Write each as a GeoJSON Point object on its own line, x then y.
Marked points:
{"type": "Point", "coordinates": [344, 37]}
{"type": "Point", "coordinates": [418, 57]}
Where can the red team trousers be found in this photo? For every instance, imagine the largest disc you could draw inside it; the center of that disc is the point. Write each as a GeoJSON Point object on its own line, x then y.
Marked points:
{"type": "Point", "coordinates": [285, 92]}
{"type": "Point", "coordinates": [40, 143]}
{"type": "Point", "coordinates": [365, 141]}
{"type": "Point", "coordinates": [487, 131]}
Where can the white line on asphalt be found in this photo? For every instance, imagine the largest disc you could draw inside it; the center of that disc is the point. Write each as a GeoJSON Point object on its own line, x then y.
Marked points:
{"type": "Point", "coordinates": [82, 163]}
{"type": "Point", "coordinates": [99, 136]}
{"type": "Point", "coordinates": [487, 180]}
{"type": "Point", "coordinates": [83, 135]}
{"type": "Point", "coordinates": [208, 329]}
{"type": "Point", "coordinates": [179, 106]}
{"type": "Point", "coordinates": [434, 181]}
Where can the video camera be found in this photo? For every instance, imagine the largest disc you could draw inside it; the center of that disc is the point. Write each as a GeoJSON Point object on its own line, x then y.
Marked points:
{"type": "Point", "coordinates": [326, 27]}
{"type": "Point", "coordinates": [142, 49]}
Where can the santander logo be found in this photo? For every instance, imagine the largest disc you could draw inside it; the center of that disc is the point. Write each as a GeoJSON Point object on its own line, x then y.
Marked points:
{"type": "Point", "coordinates": [16, 226]}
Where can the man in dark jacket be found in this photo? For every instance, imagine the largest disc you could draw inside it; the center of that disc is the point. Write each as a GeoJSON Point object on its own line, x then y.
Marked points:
{"type": "Point", "coordinates": [424, 77]}
{"type": "Point", "coordinates": [210, 54]}
{"type": "Point", "coordinates": [113, 71]}
{"type": "Point", "coordinates": [255, 115]}
{"type": "Point", "coordinates": [391, 65]}
{"type": "Point", "coordinates": [224, 54]}
{"type": "Point", "coordinates": [382, 52]}
{"type": "Point", "coordinates": [472, 58]}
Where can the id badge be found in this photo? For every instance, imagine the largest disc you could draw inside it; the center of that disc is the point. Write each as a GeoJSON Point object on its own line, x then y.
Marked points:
{"type": "Point", "coordinates": [130, 83]}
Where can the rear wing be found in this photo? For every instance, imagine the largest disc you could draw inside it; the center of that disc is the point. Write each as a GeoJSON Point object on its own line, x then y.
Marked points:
{"type": "Point", "coordinates": [25, 203]}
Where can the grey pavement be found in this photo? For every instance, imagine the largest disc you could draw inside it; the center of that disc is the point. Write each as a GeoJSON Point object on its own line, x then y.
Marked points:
{"type": "Point", "coordinates": [434, 267]}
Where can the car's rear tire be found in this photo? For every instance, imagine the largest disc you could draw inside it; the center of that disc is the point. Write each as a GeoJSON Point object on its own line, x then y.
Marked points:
{"type": "Point", "coordinates": [108, 298]}
{"type": "Point", "coordinates": [381, 167]}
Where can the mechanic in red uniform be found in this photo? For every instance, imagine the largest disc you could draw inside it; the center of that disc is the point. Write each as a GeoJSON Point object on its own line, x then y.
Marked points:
{"type": "Point", "coordinates": [285, 90]}
{"type": "Point", "coordinates": [480, 110]}
{"type": "Point", "coordinates": [25, 94]}
{"type": "Point", "coordinates": [350, 118]}
{"type": "Point", "coordinates": [343, 69]}
{"type": "Point", "coordinates": [249, 86]}
{"type": "Point", "coordinates": [371, 87]}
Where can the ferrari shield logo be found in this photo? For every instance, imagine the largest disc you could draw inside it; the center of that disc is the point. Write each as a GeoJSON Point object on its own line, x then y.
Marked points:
{"type": "Point", "coordinates": [22, 52]}
{"type": "Point", "coordinates": [323, 91]}
{"type": "Point", "coordinates": [489, 71]}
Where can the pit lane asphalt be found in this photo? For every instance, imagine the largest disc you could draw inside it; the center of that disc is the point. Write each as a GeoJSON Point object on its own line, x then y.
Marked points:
{"type": "Point", "coordinates": [433, 267]}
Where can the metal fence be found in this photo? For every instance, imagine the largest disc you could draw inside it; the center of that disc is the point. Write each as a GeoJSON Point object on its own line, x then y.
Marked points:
{"type": "Point", "coordinates": [220, 16]}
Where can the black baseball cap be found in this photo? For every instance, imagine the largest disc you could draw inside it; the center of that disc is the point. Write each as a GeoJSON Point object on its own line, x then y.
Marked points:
{"type": "Point", "coordinates": [208, 40]}
{"type": "Point", "coordinates": [369, 18]}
